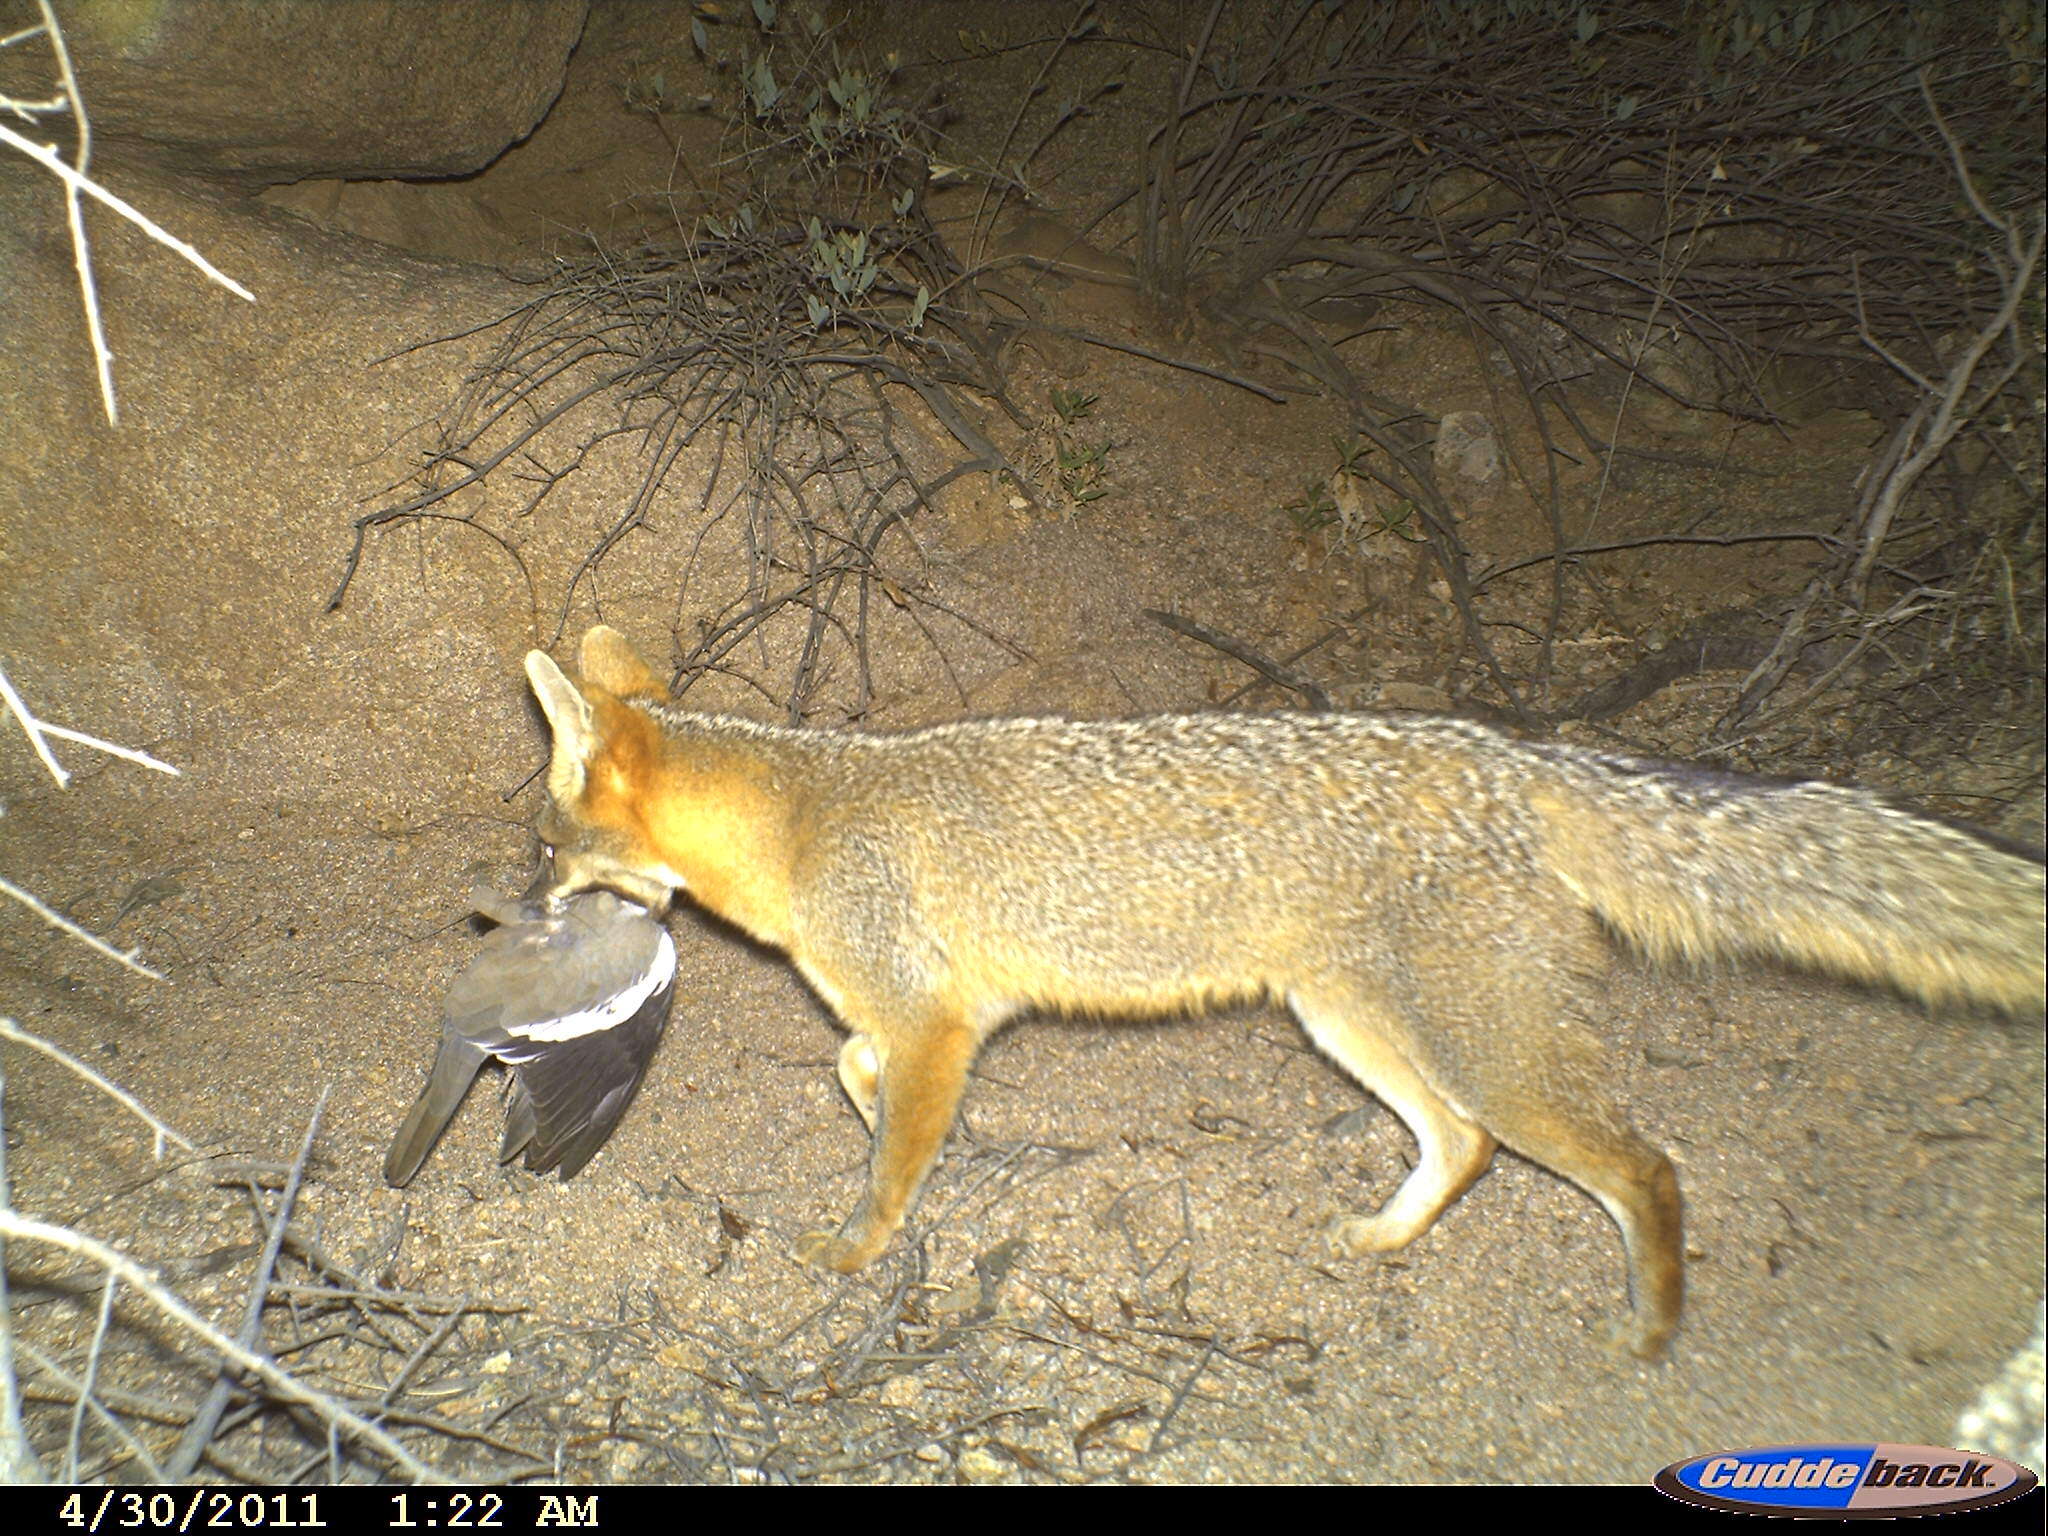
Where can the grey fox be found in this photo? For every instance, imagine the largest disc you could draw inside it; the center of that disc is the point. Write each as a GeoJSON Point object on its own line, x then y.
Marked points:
{"type": "Point", "coordinates": [1432, 899]}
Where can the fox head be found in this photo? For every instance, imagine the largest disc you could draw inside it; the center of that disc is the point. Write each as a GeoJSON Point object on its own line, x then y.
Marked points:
{"type": "Point", "coordinates": [594, 830]}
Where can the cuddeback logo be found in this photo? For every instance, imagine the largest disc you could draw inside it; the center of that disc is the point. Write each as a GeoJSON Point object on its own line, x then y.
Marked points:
{"type": "Point", "coordinates": [1851, 1480]}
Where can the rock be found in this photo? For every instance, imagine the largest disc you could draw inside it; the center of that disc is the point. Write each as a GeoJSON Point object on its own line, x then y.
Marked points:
{"type": "Point", "coordinates": [265, 91]}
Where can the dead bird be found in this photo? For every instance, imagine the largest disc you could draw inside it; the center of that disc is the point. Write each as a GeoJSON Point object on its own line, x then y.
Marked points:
{"type": "Point", "coordinates": [572, 995]}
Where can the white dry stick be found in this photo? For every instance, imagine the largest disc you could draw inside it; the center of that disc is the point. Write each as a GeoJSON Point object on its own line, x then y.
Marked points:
{"type": "Point", "coordinates": [127, 754]}
{"type": "Point", "coordinates": [119, 1266]}
{"type": "Point", "coordinates": [70, 1385]}
{"type": "Point", "coordinates": [15, 104]}
{"type": "Point", "coordinates": [38, 729]}
{"type": "Point", "coordinates": [74, 214]}
{"type": "Point", "coordinates": [9, 1030]}
{"type": "Point", "coordinates": [18, 1460]}
{"type": "Point", "coordinates": [47, 158]}
{"type": "Point", "coordinates": [59, 920]}
{"type": "Point", "coordinates": [34, 728]}
{"type": "Point", "coordinates": [75, 181]}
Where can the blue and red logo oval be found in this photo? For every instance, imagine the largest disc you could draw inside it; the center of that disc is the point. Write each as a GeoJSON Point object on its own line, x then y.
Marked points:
{"type": "Point", "coordinates": [1846, 1480]}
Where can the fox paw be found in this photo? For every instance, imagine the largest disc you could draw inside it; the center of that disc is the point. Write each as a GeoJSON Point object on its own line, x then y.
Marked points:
{"type": "Point", "coordinates": [828, 1250]}
{"type": "Point", "coordinates": [1354, 1237]}
{"type": "Point", "coordinates": [1633, 1335]}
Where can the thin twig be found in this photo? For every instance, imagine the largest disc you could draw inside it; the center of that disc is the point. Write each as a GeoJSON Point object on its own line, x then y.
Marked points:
{"type": "Point", "coordinates": [18, 1460]}
{"type": "Point", "coordinates": [10, 1030]}
{"type": "Point", "coordinates": [47, 158]}
{"type": "Point", "coordinates": [206, 1417]}
{"type": "Point", "coordinates": [1318, 697]}
{"type": "Point", "coordinates": [34, 728]}
{"type": "Point", "coordinates": [37, 729]}
{"type": "Point", "coordinates": [112, 749]}
{"type": "Point", "coordinates": [59, 920]}
{"type": "Point", "coordinates": [92, 1371]}
{"type": "Point", "coordinates": [74, 216]}
{"type": "Point", "coordinates": [75, 1392]}
{"type": "Point", "coordinates": [120, 1267]}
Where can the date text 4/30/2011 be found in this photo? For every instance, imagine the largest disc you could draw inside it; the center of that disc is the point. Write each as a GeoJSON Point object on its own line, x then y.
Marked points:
{"type": "Point", "coordinates": [193, 1511]}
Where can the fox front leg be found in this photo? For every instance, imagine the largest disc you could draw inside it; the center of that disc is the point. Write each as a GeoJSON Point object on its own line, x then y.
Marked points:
{"type": "Point", "coordinates": [859, 1072]}
{"type": "Point", "coordinates": [923, 1072]}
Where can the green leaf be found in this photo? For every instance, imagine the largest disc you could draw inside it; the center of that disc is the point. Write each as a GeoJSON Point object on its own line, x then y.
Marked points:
{"type": "Point", "coordinates": [761, 84]}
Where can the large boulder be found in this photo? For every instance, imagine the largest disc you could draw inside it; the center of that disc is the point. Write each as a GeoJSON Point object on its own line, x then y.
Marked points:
{"type": "Point", "coordinates": [265, 91]}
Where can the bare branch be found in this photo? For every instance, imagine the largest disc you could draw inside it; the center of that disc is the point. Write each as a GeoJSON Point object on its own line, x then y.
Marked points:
{"type": "Point", "coordinates": [10, 1030]}
{"type": "Point", "coordinates": [59, 920]}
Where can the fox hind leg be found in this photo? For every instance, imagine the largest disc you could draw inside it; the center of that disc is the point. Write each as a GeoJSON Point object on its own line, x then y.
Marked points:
{"type": "Point", "coordinates": [1593, 1145]}
{"type": "Point", "coordinates": [1504, 1059]}
{"type": "Point", "coordinates": [1511, 1043]}
{"type": "Point", "coordinates": [1454, 1149]}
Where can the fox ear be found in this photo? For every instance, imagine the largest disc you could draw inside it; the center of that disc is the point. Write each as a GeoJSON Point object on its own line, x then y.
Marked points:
{"type": "Point", "coordinates": [569, 719]}
{"type": "Point", "coordinates": [608, 661]}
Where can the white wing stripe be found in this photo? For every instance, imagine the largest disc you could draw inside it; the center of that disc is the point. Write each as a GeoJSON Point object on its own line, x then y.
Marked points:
{"type": "Point", "coordinates": [616, 1009]}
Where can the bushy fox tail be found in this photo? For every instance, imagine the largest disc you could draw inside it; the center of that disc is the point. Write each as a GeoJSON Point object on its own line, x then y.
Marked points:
{"type": "Point", "coordinates": [1690, 865]}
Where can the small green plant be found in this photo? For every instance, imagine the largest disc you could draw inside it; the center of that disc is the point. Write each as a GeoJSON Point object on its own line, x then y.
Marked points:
{"type": "Point", "coordinates": [804, 98]}
{"type": "Point", "coordinates": [650, 96]}
{"type": "Point", "coordinates": [1353, 501]}
{"type": "Point", "coordinates": [1314, 509]}
{"type": "Point", "coordinates": [820, 147]}
{"type": "Point", "coordinates": [1081, 467]}
{"type": "Point", "coordinates": [845, 260]}
{"type": "Point", "coordinates": [1072, 405]}
{"type": "Point", "coordinates": [842, 259]}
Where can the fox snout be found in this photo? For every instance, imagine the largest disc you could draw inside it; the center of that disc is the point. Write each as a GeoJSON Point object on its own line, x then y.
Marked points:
{"type": "Point", "coordinates": [565, 872]}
